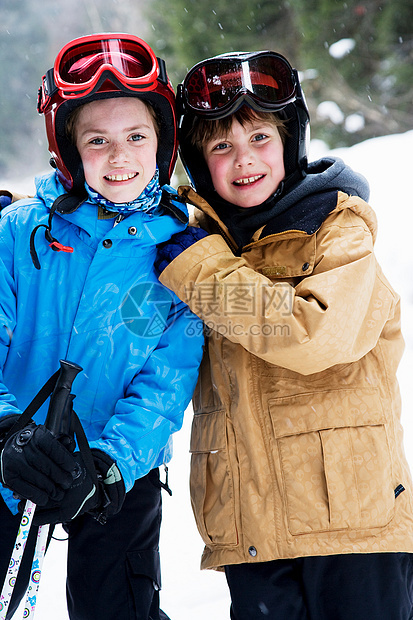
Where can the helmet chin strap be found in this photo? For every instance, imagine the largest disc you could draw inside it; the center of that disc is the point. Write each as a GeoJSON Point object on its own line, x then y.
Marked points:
{"type": "Point", "coordinates": [68, 203]}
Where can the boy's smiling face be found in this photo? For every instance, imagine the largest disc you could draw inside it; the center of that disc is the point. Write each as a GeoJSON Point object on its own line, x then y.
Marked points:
{"type": "Point", "coordinates": [247, 164]}
{"type": "Point", "coordinates": [117, 142]}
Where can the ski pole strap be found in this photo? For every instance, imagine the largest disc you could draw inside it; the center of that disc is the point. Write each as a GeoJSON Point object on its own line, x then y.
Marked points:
{"type": "Point", "coordinates": [40, 398]}
{"type": "Point", "coordinates": [84, 448]}
{"type": "Point", "coordinates": [100, 512]}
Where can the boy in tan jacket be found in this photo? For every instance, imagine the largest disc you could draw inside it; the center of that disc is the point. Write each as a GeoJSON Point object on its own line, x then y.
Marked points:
{"type": "Point", "coordinates": [299, 482]}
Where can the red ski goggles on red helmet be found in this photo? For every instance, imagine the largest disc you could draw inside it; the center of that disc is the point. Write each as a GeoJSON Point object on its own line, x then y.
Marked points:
{"type": "Point", "coordinates": [213, 88]}
{"type": "Point", "coordinates": [81, 65]}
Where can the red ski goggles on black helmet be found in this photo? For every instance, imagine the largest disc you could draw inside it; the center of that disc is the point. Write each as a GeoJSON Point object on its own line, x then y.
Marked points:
{"type": "Point", "coordinates": [218, 86]}
{"type": "Point", "coordinates": [83, 63]}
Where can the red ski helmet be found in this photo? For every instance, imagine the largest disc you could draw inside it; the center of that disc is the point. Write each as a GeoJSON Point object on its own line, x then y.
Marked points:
{"type": "Point", "coordinates": [103, 66]}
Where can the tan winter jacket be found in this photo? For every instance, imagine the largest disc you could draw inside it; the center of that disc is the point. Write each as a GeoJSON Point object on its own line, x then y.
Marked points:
{"type": "Point", "coordinates": [296, 439]}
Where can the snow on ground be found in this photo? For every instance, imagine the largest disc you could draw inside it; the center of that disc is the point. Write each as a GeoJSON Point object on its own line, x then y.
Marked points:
{"type": "Point", "coordinates": [187, 592]}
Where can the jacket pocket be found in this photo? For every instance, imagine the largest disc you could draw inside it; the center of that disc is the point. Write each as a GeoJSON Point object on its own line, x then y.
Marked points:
{"type": "Point", "coordinates": [143, 572]}
{"type": "Point", "coordinates": [211, 483]}
{"type": "Point", "coordinates": [335, 460]}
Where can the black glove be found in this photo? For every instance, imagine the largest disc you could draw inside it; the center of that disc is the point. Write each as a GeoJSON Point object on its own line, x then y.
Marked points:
{"type": "Point", "coordinates": [100, 493]}
{"type": "Point", "coordinates": [177, 243]}
{"type": "Point", "coordinates": [112, 487]}
{"type": "Point", "coordinates": [80, 497]}
{"type": "Point", "coordinates": [36, 466]}
{"type": "Point", "coordinates": [6, 424]}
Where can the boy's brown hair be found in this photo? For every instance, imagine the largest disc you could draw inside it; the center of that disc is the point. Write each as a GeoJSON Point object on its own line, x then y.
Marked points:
{"type": "Point", "coordinates": [204, 130]}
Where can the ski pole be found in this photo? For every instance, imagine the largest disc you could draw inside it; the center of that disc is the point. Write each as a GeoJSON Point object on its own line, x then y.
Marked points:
{"type": "Point", "coordinates": [16, 558]}
{"type": "Point", "coordinates": [58, 422]}
{"type": "Point", "coordinates": [42, 534]}
{"type": "Point", "coordinates": [36, 572]}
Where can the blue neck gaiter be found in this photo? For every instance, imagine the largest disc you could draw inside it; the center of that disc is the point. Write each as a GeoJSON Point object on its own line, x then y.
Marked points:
{"type": "Point", "coordinates": [148, 201]}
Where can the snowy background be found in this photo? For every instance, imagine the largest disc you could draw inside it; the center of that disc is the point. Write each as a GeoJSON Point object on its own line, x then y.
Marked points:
{"type": "Point", "coordinates": [187, 592]}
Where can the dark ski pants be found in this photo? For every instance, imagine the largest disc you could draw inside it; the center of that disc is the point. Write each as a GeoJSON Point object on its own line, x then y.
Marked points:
{"type": "Point", "coordinates": [340, 587]}
{"type": "Point", "coordinates": [113, 570]}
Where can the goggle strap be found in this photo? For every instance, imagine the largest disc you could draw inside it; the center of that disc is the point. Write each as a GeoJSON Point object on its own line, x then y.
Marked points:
{"type": "Point", "coordinates": [163, 76]}
{"type": "Point", "coordinates": [181, 107]}
{"type": "Point", "coordinates": [51, 88]}
{"type": "Point", "coordinates": [46, 91]}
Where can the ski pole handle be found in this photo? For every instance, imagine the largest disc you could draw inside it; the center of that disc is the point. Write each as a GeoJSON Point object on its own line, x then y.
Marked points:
{"type": "Point", "coordinates": [58, 415]}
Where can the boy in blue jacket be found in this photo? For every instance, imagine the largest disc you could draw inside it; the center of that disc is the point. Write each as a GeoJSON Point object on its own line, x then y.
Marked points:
{"type": "Point", "coordinates": [77, 282]}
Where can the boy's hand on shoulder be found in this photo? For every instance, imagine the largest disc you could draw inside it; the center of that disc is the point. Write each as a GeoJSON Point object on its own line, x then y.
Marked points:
{"type": "Point", "coordinates": [5, 200]}
{"type": "Point", "coordinates": [7, 197]}
{"type": "Point", "coordinates": [177, 244]}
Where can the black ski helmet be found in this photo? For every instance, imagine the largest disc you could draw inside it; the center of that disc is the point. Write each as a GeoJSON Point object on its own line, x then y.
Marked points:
{"type": "Point", "coordinates": [103, 66]}
{"type": "Point", "coordinates": [217, 87]}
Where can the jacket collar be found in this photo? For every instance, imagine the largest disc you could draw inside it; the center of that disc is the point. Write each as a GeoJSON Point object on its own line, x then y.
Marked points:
{"type": "Point", "coordinates": [155, 229]}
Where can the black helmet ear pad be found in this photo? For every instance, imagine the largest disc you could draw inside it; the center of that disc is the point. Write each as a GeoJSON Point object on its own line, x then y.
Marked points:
{"type": "Point", "coordinates": [192, 159]}
{"type": "Point", "coordinates": [295, 146]}
{"type": "Point", "coordinates": [68, 152]}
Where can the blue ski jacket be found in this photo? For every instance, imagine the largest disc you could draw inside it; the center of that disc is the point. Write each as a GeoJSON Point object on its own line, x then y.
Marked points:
{"type": "Point", "coordinates": [102, 307]}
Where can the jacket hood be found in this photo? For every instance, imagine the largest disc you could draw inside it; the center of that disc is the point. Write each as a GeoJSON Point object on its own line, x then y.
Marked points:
{"type": "Point", "coordinates": [48, 188]}
{"type": "Point", "coordinates": [328, 173]}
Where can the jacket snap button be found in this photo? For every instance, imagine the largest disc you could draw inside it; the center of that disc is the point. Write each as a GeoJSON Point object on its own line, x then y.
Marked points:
{"type": "Point", "coordinates": [132, 230]}
{"type": "Point", "coordinates": [306, 266]}
{"type": "Point", "coordinates": [107, 243]}
{"type": "Point", "coordinates": [252, 551]}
